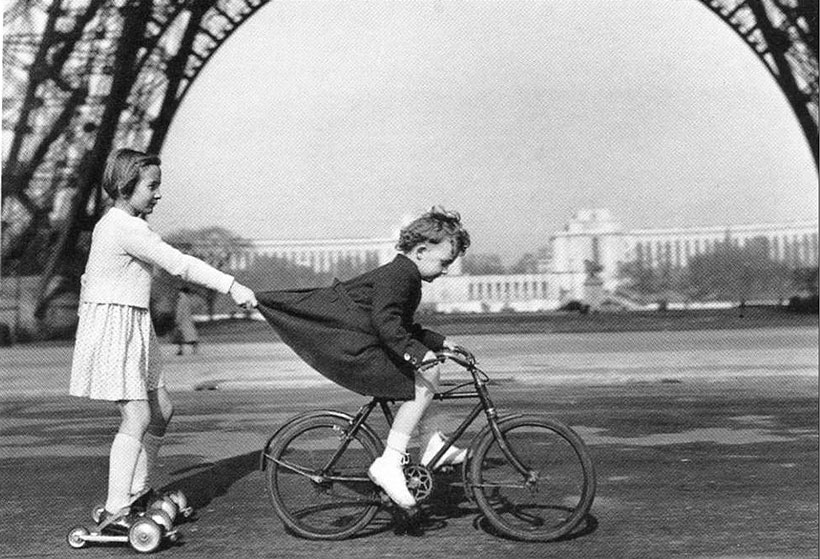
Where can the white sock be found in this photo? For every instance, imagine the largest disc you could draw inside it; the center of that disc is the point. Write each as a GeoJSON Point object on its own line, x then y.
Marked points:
{"type": "Point", "coordinates": [140, 481]}
{"type": "Point", "coordinates": [145, 472]}
{"type": "Point", "coordinates": [396, 446]}
{"type": "Point", "coordinates": [125, 451]}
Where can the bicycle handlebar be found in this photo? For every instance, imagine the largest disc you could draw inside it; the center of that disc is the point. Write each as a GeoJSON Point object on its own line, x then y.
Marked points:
{"type": "Point", "coordinates": [460, 355]}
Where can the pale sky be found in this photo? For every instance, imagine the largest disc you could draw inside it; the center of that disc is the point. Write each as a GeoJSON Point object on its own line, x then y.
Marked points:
{"type": "Point", "coordinates": [330, 119]}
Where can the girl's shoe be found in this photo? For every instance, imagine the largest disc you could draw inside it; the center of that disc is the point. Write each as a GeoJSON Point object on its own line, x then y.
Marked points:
{"type": "Point", "coordinates": [390, 477]}
{"type": "Point", "coordinates": [141, 500]}
{"type": "Point", "coordinates": [119, 522]}
{"type": "Point", "coordinates": [452, 456]}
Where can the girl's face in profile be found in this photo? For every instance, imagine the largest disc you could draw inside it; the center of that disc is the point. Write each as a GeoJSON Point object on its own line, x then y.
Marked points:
{"type": "Point", "coordinates": [146, 192]}
{"type": "Point", "coordinates": [433, 259]}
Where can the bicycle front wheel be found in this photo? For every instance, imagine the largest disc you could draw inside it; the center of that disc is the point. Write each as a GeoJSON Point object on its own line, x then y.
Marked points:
{"type": "Point", "coordinates": [313, 497]}
{"type": "Point", "coordinates": [552, 494]}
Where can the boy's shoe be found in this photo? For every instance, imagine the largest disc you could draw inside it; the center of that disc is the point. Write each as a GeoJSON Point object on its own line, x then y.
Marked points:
{"type": "Point", "coordinates": [390, 477]}
{"type": "Point", "coordinates": [119, 522]}
{"type": "Point", "coordinates": [453, 456]}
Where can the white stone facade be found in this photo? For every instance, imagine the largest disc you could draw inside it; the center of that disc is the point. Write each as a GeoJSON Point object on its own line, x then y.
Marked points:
{"type": "Point", "coordinates": [593, 235]}
{"type": "Point", "coordinates": [516, 292]}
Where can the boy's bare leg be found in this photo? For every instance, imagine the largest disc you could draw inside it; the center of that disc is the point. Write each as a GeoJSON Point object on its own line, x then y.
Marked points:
{"type": "Point", "coordinates": [386, 471]}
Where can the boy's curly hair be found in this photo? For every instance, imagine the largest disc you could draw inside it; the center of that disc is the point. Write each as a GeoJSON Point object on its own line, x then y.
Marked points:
{"type": "Point", "coordinates": [435, 226]}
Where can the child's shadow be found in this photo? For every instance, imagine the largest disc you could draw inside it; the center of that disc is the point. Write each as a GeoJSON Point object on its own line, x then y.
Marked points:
{"type": "Point", "coordinates": [205, 481]}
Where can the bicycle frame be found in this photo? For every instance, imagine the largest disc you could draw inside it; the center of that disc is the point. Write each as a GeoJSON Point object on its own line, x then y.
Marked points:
{"type": "Point", "coordinates": [485, 404]}
{"type": "Point", "coordinates": [332, 497]}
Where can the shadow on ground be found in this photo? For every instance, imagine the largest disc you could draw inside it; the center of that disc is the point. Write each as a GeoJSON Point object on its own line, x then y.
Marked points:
{"type": "Point", "coordinates": [205, 481]}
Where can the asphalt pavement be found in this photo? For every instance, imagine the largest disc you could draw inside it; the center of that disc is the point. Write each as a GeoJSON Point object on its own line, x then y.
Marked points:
{"type": "Point", "coordinates": [710, 452]}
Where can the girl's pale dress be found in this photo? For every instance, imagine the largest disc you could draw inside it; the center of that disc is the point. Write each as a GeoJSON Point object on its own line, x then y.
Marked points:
{"type": "Point", "coordinates": [116, 353]}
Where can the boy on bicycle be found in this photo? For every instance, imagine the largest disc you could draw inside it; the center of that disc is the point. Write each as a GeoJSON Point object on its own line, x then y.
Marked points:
{"type": "Point", "coordinates": [361, 334]}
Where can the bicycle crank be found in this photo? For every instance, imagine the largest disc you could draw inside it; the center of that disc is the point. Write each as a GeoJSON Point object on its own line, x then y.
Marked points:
{"type": "Point", "coordinates": [419, 481]}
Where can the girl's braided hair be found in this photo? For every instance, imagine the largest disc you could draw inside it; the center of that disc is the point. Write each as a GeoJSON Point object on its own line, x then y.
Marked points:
{"type": "Point", "coordinates": [435, 226]}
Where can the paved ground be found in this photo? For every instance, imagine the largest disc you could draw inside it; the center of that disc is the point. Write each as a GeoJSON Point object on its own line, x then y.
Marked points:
{"type": "Point", "coordinates": [711, 453]}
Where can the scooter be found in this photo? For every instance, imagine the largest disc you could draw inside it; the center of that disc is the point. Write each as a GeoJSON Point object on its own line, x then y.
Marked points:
{"type": "Point", "coordinates": [156, 520]}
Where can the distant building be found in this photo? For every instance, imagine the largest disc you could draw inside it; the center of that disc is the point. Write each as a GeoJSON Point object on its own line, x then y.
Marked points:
{"type": "Point", "coordinates": [591, 241]}
{"type": "Point", "coordinates": [593, 235]}
{"type": "Point", "coordinates": [492, 293]}
{"type": "Point", "coordinates": [327, 255]}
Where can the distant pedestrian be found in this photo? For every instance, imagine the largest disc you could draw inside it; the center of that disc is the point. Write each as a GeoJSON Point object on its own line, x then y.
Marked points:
{"type": "Point", "coordinates": [361, 334]}
{"type": "Point", "coordinates": [184, 331]}
{"type": "Point", "coordinates": [116, 354]}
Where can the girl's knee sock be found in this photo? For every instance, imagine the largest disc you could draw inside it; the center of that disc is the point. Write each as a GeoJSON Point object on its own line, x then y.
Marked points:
{"type": "Point", "coordinates": [125, 451]}
{"type": "Point", "coordinates": [140, 481]}
{"type": "Point", "coordinates": [145, 472]}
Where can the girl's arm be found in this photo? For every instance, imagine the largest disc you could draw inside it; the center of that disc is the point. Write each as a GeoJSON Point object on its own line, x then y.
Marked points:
{"type": "Point", "coordinates": [148, 246]}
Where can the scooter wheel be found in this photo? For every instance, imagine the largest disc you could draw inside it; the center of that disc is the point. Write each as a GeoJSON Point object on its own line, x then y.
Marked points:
{"type": "Point", "coordinates": [76, 537]}
{"type": "Point", "coordinates": [160, 517]}
{"type": "Point", "coordinates": [181, 501]}
{"type": "Point", "coordinates": [96, 513]}
{"type": "Point", "coordinates": [166, 505]}
{"type": "Point", "coordinates": [179, 498]}
{"type": "Point", "coordinates": [145, 535]}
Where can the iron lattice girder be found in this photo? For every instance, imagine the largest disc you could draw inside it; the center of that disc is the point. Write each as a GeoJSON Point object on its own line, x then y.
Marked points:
{"type": "Point", "coordinates": [62, 60]}
{"type": "Point", "coordinates": [51, 52]}
{"type": "Point", "coordinates": [81, 77]}
{"type": "Point", "coordinates": [783, 35]}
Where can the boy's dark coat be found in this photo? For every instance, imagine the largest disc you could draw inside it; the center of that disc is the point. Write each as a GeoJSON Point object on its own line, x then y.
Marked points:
{"type": "Point", "coordinates": [359, 333]}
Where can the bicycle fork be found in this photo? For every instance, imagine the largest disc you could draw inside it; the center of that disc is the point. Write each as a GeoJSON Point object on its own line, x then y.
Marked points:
{"type": "Point", "coordinates": [531, 477]}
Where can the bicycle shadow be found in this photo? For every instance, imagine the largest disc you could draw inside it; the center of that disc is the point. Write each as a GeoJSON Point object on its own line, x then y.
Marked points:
{"type": "Point", "coordinates": [204, 482]}
{"type": "Point", "coordinates": [448, 501]}
{"type": "Point", "coordinates": [587, 526]}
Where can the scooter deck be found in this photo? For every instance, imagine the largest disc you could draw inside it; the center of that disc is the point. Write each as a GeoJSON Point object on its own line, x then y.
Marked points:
{"type": "Point", "coordinates": [99, 537]}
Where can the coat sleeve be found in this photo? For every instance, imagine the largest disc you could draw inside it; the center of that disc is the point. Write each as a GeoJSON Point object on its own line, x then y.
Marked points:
{"type": "Point", "coordinates": [146, 245]}
{"type": "Point", "coordinates": [429, 338]}
{"type": "Point", "coordinates": [390, 295]}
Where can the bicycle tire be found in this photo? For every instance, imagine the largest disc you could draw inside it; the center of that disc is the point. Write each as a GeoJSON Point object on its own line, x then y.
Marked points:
{"type": "Point", "coordinates": [326, 510]}
{"type": "Point", "coordinates": [554, 500]}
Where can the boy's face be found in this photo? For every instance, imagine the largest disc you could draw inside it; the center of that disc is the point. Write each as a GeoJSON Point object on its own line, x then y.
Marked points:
{"type": "Point", "coordinates": [433, 259]}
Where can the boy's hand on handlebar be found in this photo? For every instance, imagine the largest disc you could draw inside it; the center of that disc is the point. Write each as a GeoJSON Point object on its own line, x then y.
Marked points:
{"type": "Point", "coordinates": [452, 346]}
{"type": "Point", "coordinates": [429, 361]}
{"type": "Point", "coordinates": [460, 350]}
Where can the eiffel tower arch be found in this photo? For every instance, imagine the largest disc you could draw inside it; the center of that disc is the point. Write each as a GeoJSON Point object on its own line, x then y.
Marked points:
{"type": "Point", "coordinates": [81, 76]}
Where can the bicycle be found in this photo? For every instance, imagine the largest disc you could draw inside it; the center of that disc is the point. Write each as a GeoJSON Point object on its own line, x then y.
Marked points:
{"type": "Point", "coordinates": [531, 476]}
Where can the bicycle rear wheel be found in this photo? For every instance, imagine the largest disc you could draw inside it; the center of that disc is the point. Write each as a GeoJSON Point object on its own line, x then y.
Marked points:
{"type": "Point", "coordinates": [554, 494]}
{"type": "Point", "coordinates": [315, 501]}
